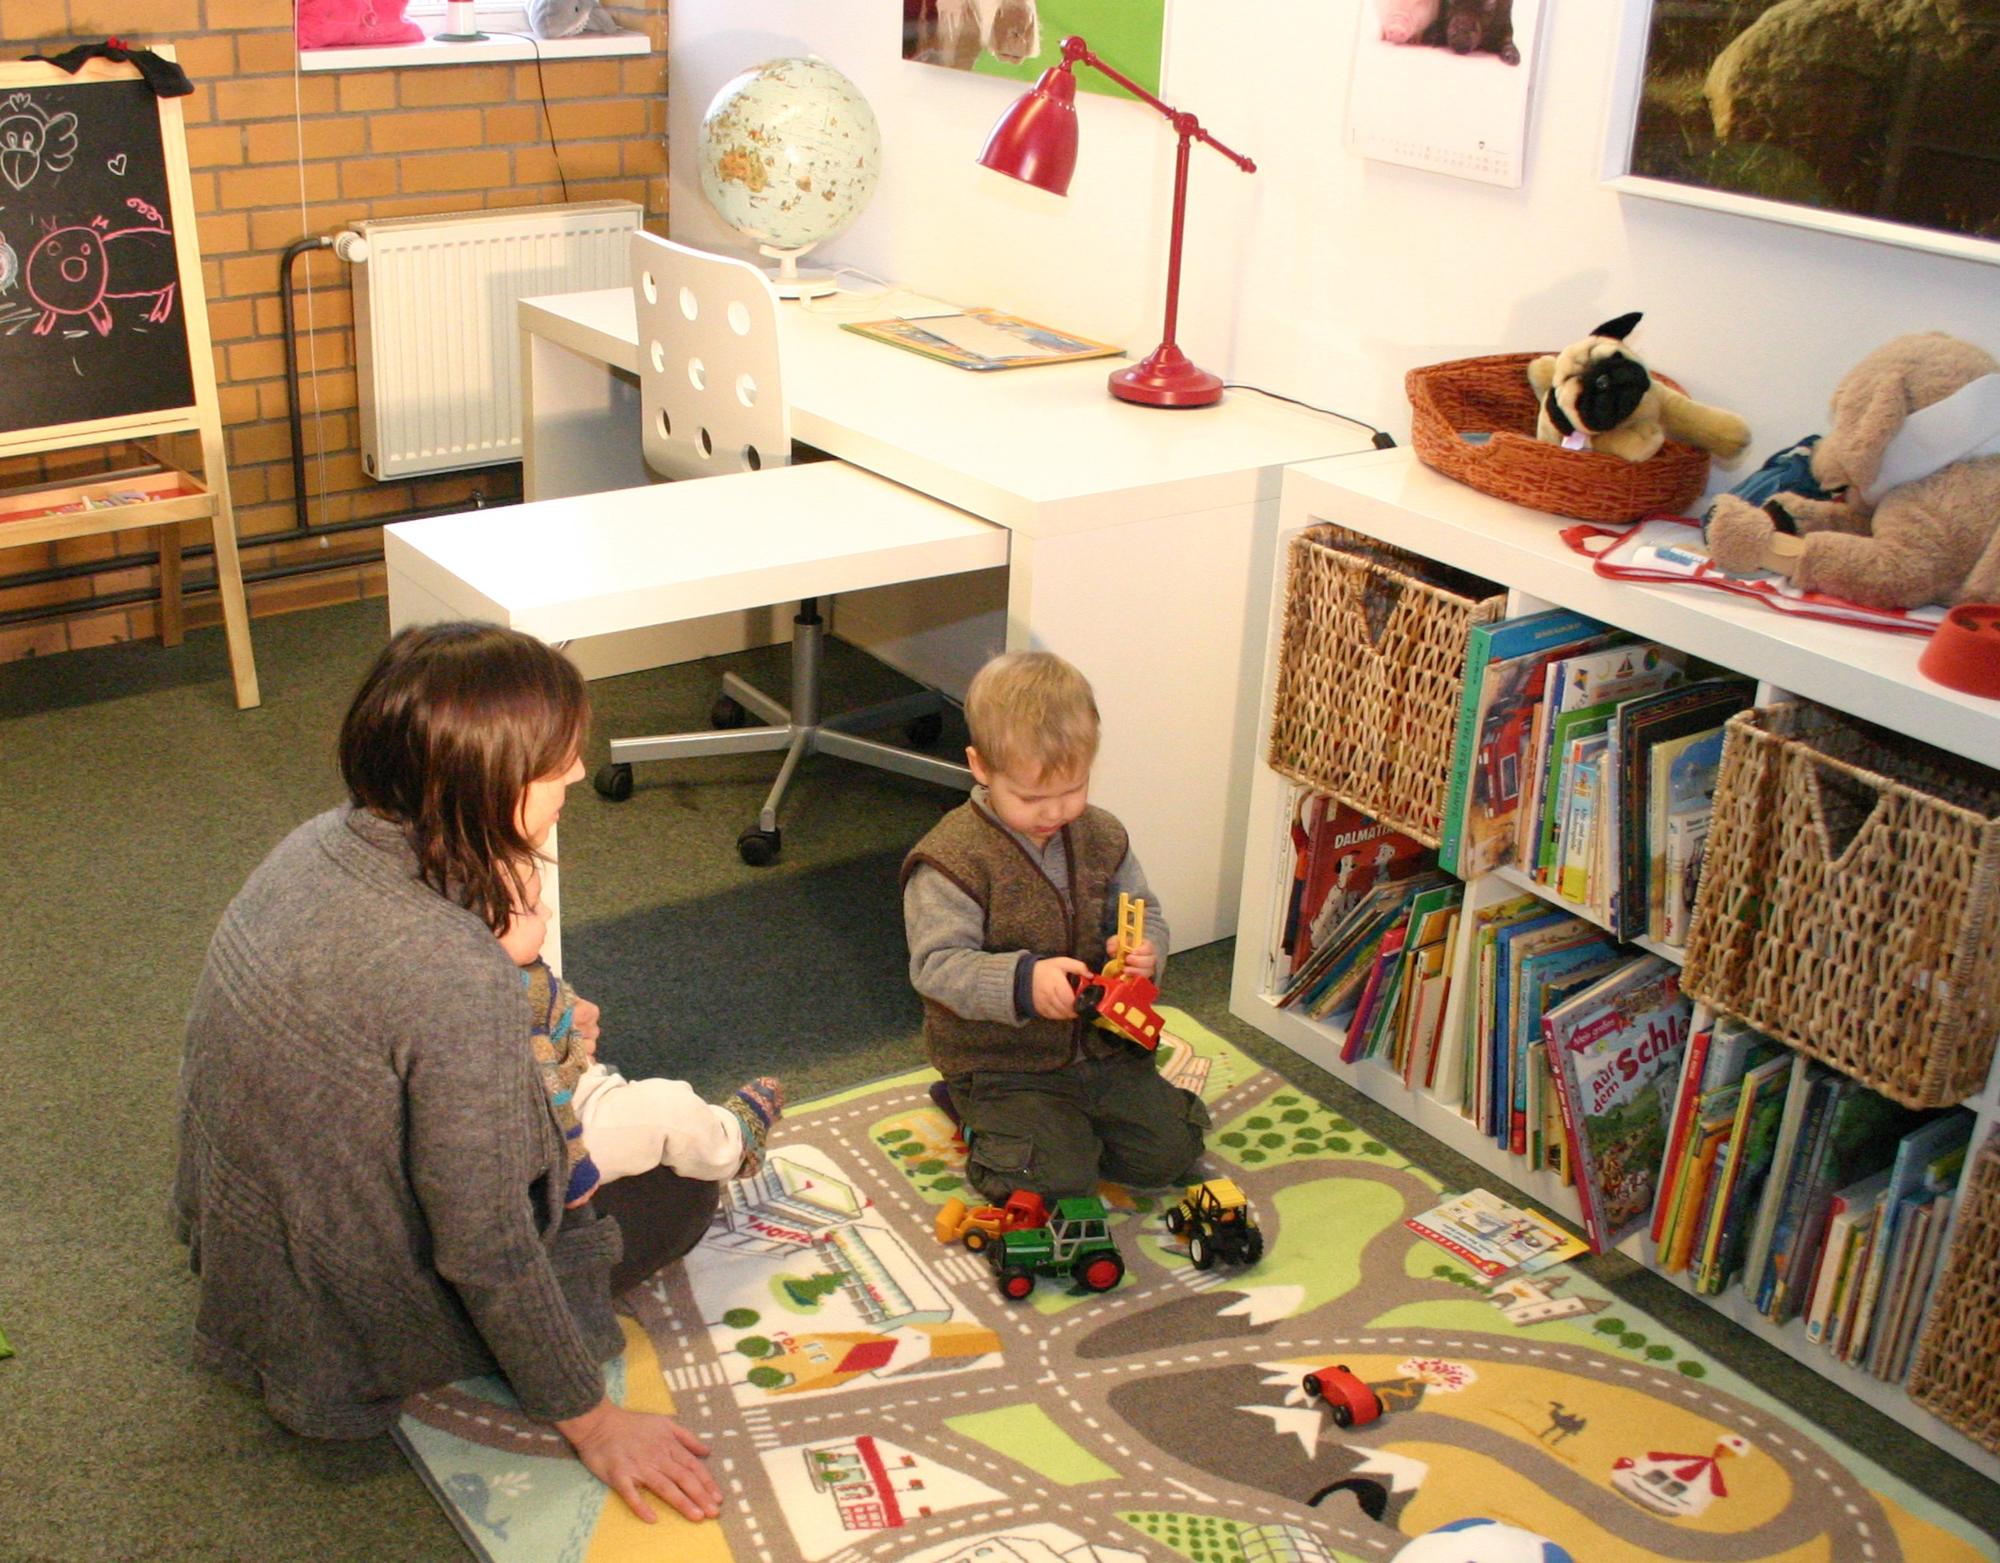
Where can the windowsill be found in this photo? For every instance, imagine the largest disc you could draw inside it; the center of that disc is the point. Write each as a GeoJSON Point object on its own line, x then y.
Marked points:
{"type": "Point", "coordinates": [495, 46]}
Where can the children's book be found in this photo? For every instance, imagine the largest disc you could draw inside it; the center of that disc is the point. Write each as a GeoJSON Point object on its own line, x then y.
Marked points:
{"type": "Point", "coordinates": [1586, 688]}
{"type": "Point", "coordinates": [982, 339]}
{"type": "Point", "coordinates": [1585, 787]}
{"type": "Point", "coordinates": [1470, 1068]}
{"type": "Point", "coordinates": [1498, 1036]}
{"type": "Point", "coordinates": [1758, 1081]}
{"type": "Point", "coordinates": [1494, 1237]}
{"type": "Point", "coordinates": [1503, 687]}
{"type": "Point", "coordinates": [1559, 958]}
{"type": "Point", "coordinates": [1351, 854]}
{"type": "Point", "coordinates": [1915, 1152]}
{"type": "Point", "coordinates": [1759, 1111]}
{"type": "Point", "coordinates": [1850, 1217]}
{"type": "Point", "coordinates": [1825, 1089]}
{"type": "Point", "coordinates": [1695, 1189]}
{"type": "Point", "coordinates": [1701, 1027]}
{"type": "Point", "coordinates": [1908, 1225]}
{"type": "Point", "coordinates": [1861, 1133]}
{"type": "Point", "coordinates": [1798, 1092]}
{"type": "Point", "coordinates": [1917, 1300]}
{"type": "Point", "coordinates": [1684, 780]}
{"type": "Point", "coordinates": [1641, 726]}
{"type": "Point", "coordinates": [1613, 1049]}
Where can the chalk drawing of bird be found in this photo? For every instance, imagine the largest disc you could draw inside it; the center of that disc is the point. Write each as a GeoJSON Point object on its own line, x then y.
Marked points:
{"type": "Point", "coordinates": [31, 140]}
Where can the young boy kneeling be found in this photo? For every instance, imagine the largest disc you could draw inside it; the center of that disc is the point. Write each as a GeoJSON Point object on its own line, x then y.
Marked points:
{"type": "Point", "coordinates": [1004, 900]}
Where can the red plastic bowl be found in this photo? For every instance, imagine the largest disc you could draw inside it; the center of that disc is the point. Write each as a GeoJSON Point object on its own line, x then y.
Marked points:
{"type": "Point", "coordinates": [1964, 652]}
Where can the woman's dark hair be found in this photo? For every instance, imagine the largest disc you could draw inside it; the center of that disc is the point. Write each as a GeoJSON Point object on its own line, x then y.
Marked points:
{"type": "Point", "coordinates": [443, 737]}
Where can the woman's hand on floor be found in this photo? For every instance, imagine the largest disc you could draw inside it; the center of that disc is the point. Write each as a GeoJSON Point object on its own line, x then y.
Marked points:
{"type": "Point", "coordinates": [635, 1452]}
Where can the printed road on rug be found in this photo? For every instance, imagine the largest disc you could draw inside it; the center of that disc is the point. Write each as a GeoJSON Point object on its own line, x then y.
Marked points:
{"type": "Point", "coordinates": [871, 1396]}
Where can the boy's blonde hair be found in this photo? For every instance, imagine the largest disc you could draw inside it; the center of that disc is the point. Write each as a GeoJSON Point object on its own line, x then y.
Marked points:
{"type": "Point", "coordinates": [1031, 715]}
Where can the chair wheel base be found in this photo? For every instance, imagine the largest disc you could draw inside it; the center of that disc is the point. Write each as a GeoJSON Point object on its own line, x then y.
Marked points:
{"type": "Point", "coordinates": [759, 848]}
{"type": "Point", "coordinates": [613, 782]}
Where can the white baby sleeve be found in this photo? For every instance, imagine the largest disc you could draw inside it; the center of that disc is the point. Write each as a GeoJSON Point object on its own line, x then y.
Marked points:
{"type": "Point", "coordinates": [633, 1126]}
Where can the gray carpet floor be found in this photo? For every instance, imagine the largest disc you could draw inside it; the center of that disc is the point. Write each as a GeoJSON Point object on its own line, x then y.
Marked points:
{"type": "Point", "coordinates": [134, 800]}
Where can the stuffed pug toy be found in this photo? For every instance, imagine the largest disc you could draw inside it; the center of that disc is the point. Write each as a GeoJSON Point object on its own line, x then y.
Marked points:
{"type": "Point", "coordinates": [1913, 461]}
{"type": "Point", "coordinates": [1596, 395]}
{"type": "Point", "coordinates": [567, 18]}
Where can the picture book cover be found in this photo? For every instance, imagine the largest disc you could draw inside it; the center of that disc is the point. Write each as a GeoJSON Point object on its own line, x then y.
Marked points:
{"type": "Point", "coordinates": [1614, 1049]}
{"type": "Point", "coordinates": [1349, 854]}
{"type": "Point", "coordinates": [1494, 1237]}
{"type": "Point", "coordinates": [1499, 1038]}
{"type": "Point", "coordinates": [1503, 684]}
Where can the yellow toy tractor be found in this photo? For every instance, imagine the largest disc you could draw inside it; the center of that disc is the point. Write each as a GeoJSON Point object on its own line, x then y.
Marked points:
{"type": "Point", "coordinates": [1216, 1218]}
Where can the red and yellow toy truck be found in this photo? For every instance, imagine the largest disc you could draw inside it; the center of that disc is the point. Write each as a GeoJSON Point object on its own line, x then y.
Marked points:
{"type": "Point", "coordinates": [979, 1225]}
{"type": "Point", "coordinates": [1119, 1001]}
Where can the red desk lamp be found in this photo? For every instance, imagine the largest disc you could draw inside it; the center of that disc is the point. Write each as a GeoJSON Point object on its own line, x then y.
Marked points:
{"type": "Point", "coordinates": [1035, 142]}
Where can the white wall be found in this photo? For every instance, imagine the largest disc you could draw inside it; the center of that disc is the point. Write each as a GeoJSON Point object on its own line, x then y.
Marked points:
{"type": "Point", "coordinates": [1324, 275]}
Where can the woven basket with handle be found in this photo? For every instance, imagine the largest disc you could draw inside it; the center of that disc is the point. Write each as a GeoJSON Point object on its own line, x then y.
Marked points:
{"type": "Point", "coordinates": [1850, 901]}
{"type": "Point", "coordinates": [1491, 396]}
{"type": "Point", "coordinates": [1370, 670]}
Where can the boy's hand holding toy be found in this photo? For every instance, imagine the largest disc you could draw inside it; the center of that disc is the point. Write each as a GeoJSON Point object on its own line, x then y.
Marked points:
{"type": "Point", "coordinates": [1054, 986]}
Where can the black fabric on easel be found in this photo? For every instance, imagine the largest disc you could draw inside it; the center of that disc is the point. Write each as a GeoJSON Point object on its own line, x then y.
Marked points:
{"type": "Point", "coordinates": [165, 77]}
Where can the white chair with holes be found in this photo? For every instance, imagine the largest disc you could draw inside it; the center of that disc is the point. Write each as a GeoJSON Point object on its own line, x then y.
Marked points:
{"type": "Point", "coordinates": [713, 403]}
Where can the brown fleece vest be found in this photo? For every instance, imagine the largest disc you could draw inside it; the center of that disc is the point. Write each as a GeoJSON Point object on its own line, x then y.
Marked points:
{"type": "Point", "coordinates": [1023, 911]}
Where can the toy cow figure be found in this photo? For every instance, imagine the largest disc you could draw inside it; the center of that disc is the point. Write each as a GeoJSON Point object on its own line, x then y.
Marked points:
{"type": "Point", "coordinates": [78, 270]}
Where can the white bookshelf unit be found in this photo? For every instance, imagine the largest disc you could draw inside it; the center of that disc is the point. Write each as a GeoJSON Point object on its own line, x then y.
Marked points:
{"type": "Point", "coordinates": [1388, 495]}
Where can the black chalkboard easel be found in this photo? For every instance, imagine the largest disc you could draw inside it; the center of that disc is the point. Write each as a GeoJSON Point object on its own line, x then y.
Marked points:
{"type": "Point", "coordinates": [103, 321]}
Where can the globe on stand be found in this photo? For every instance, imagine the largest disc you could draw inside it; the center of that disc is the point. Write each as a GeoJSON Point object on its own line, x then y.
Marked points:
{"type": "Point", "coordinates": [789, 154]}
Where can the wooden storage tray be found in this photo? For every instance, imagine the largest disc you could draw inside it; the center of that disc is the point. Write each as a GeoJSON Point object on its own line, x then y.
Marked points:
{"type": "Point", "coordinates": [1491, 396]}
{"type": "Point", "coordinates": [1850, 901]}
{"type": "Point", "coordinates": [1371, 667]}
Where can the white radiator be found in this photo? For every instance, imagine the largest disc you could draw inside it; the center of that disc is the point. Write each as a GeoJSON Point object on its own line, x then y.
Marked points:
{"type": "Point", "coordinates": [437, 338]}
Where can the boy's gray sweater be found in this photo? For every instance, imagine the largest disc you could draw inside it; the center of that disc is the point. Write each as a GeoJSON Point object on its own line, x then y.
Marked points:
{"type": "Point", "coordinates": [371, 1176]}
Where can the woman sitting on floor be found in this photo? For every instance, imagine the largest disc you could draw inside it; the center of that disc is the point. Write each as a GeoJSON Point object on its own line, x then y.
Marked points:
{"type": "Point", "coordinates": [372, 1181]}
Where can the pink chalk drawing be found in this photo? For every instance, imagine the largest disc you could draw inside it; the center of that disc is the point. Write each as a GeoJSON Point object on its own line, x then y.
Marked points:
{"type": "Point", "coordinates": [77, 270]}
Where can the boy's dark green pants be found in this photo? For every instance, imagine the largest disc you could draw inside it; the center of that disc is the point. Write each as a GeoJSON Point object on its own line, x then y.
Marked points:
{"type": "Point", "coordinates": [1061, 1131]}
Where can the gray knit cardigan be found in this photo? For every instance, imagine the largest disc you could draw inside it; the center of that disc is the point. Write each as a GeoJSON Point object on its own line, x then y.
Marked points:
{"type": "Point", "coordinates": [371, 1176]}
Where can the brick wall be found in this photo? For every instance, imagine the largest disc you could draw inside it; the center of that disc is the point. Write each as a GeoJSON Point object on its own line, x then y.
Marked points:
{"type": "Point", "coordinates": [377, 143]}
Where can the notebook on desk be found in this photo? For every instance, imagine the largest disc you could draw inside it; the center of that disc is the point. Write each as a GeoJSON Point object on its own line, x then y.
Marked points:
{"type": "Point", "coordinates": [982, 339]}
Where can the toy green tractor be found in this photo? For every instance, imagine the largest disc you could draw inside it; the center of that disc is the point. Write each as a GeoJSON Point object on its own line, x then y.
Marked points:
{"type": "Point", "coordinates": [1076, 1244]}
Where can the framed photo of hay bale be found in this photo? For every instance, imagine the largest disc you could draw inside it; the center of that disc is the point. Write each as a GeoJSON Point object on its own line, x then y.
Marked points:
{"type": "Point", "coordinates": [1874, 118]}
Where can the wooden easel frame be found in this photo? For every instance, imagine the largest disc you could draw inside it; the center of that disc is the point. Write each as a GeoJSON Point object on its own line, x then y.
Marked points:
{"type": "Point", "coordinates": [184, 499]}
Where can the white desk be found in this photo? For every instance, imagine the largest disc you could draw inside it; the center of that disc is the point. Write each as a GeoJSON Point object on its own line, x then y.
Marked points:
{"type": "Point", "coordinates": [1142, 543]}
{"type": "Point", "coordinates": [607, 564]}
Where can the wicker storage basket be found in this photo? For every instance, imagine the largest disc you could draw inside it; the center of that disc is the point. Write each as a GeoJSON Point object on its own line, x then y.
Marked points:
{"type": "Point", "coordinates": [1848, 901]}
{"type": "Point", "coordinates": [1492, 396]}
{"type": "Point", "coordinates": [1957, 1367]}
{"type": "Point", "coordinates": [1369, 674]}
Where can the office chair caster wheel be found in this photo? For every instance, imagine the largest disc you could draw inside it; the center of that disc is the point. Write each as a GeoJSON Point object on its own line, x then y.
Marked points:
{"type": "Point", "coordinates": [613, 782]}
{"type": "Point", "coordinates": [925, 730]}
{"type": "Point", "coordinates": [759, 848]}
{"type": "Point", "coordinates": [727, 713]}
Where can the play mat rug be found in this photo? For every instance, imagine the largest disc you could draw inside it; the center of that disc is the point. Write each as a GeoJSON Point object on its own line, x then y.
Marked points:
{"type": "Point", "coordinates": [870, 1396]}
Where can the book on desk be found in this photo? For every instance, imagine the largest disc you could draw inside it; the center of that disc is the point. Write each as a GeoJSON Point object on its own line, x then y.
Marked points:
{"type": "Point", "coordinates": [982, 339]}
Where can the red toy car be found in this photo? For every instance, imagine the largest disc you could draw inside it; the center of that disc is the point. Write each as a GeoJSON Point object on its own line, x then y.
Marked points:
{"type": "Point", "coordinates": [1352, 1402]}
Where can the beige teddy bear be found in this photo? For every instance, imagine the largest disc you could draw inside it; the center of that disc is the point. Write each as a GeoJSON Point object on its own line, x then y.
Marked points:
{"type": "Point", "coordinates": [1596, 395]}
{"type": "Point", "coordinates": [1915, 445]}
